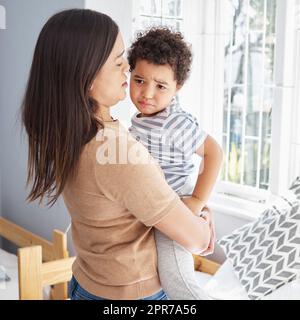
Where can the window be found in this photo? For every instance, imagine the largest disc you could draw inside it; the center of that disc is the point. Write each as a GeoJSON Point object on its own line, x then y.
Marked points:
{"type": "Point", "coordinates": [158, 12]}
{"type": "Point", "coordinates": [245, 65]}
{"type": "Point", "coordinates": [249, 92]}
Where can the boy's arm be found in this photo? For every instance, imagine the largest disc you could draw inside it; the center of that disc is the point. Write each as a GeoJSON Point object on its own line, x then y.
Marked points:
{"type": "Point", "coordinates": [208, 172]}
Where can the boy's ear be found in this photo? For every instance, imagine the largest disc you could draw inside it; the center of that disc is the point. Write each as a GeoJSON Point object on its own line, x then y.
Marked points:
{"type": "Point", "coordinates": [178, 87]}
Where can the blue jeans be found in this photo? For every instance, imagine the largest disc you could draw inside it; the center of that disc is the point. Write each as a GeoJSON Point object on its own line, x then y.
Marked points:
{"type": "Point", "coordinates": [76, 292]}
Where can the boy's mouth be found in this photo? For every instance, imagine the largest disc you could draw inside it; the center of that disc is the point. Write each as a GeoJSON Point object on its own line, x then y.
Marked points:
{"type": "Point", "coordinates": [145, 104]}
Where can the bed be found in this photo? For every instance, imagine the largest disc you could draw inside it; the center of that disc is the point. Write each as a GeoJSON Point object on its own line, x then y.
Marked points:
{"type": "Point", "coordinates": [9, 270]}
{"type": "Point", "coordinates": [40, 270]}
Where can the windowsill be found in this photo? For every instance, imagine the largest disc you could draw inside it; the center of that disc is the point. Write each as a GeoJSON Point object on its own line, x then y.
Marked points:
{"type": "Point", "coordinates": [237, 207]}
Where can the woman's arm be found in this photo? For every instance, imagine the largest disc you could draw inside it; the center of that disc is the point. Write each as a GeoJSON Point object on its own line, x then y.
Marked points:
{"type": "Point", "coordinates": [187, 229]}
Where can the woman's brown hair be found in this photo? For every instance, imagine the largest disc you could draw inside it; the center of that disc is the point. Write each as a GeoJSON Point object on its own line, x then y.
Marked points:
{"type": "Point", "coordinates": [57, 111]}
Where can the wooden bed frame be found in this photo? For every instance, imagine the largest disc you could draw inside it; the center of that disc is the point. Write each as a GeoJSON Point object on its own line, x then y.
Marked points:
{"type": "Point", "coordinates": [204, 265]}
{"type": "Point", "coordinates": [43, 263]}
{"type": "Point", "coordinates": [40, 262]}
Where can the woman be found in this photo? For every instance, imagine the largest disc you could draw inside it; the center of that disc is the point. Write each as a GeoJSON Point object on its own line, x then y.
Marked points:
{"type": "Point", "coordinates": [113, 189]}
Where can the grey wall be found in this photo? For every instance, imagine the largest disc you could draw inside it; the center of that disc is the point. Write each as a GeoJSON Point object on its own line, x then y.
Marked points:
{"type": "Point", "coordinates": [24, 20]}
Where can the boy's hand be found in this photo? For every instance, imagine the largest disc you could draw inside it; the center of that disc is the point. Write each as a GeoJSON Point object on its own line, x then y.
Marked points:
{"type": "Point", "coordinates": [194, 204]}
{"type": "Point", "coordinates": [198, 208]}
{"type": "Point", "coordinates": [208, 216]}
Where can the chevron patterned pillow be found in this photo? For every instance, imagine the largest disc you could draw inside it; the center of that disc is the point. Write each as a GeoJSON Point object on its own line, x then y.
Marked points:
{"type": "Point", "coordinates": [265, 254]}
{"type": "Point", "coordinates": [295, 187]}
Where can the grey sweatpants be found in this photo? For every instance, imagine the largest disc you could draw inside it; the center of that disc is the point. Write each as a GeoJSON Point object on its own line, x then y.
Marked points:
{"type": "Point", "coordinates": [176, 266]}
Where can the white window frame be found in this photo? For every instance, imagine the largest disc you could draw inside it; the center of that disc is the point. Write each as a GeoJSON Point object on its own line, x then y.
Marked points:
{"type": "Point", "coordinates": [295, 147]}
{"type": "Point", "coordinates": [283, 102]}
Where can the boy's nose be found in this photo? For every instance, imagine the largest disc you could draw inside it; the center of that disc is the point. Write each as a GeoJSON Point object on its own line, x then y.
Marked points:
{"type": "Point", "coordinates": [148, 92]}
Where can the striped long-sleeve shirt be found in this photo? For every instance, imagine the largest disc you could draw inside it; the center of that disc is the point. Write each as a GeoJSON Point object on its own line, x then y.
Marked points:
{"type": "Point", "coordinates": [171, 136]}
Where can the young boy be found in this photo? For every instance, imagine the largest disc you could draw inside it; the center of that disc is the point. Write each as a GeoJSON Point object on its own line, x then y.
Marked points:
{"type": "Point", "coordinates": [160, 62]}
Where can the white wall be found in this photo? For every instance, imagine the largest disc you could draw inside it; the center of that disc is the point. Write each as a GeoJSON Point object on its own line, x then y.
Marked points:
{"type": "Point", "coordinates": [121, 12]}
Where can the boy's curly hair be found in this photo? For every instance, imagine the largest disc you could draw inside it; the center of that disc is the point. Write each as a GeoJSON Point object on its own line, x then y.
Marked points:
{"type": "Point", "coordinates": [160, 45]}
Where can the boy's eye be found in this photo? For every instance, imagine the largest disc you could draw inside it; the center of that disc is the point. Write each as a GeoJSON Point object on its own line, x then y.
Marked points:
{"type": "Point", "coordinates": [139, 81]}
{"type": "Point", "coordinates": [119, 64]}
{"type": "Point", "coordinates": [161, 87]}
